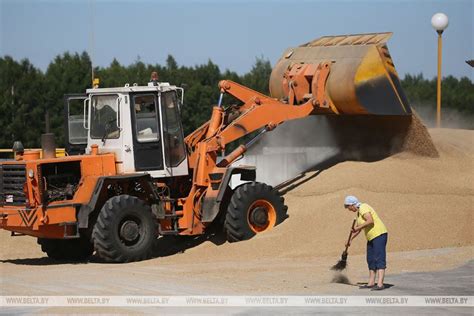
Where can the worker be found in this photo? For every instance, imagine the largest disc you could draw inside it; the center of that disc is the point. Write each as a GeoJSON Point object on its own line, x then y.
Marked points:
{"type": "Point", "coordinates": [376, 234]}
{"type": "Point", "coordinates": [154, 78]}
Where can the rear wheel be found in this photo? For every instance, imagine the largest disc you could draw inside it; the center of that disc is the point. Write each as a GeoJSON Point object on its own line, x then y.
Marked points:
{"type": "Point", "coordinates": [254, 208]}
{"type": "Point", "coordinates": [125, 230]}
{"type": "Point", "coordinates": [67, 249]}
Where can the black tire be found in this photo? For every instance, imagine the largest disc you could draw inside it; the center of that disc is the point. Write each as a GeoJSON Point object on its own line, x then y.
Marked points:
{"type": "Point", "coordinates": [67, 249]}
{"type": "Point", "coordinates": [254, 208]}
{"type": "Point", "coordinates": [125, 230]}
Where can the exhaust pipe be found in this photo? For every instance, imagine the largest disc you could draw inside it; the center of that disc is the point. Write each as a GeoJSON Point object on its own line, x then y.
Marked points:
{"type": "Point", "coordinates": [48, 145]}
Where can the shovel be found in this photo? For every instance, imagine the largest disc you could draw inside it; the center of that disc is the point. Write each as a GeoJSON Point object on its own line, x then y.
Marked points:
{"type": "Point", "coordinates": [341, 265]}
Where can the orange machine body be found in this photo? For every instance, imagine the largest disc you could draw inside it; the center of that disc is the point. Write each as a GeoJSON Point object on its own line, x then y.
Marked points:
{"type": "Point", "coordinates": [34, 216]}
{"type": "Point", "coordinates": [257, 112]}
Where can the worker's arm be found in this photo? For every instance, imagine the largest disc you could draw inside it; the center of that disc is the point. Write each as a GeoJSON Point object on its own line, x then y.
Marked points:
{"type": "Point", "coordinates": [368, 222]}
{"type": "Point", "coordinates": [354, 235]}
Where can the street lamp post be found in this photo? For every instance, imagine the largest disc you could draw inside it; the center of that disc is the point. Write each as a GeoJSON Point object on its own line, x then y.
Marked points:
{"type": "Point", "coordinates": [439, 21]}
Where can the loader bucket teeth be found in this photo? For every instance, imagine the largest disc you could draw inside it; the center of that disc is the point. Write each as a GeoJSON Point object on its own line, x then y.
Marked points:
{"type": "Point", "coordinates": [362, 78]}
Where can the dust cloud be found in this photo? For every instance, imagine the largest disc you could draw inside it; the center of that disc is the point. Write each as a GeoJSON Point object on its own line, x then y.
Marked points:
{"type": "Point", "coordinates": [291, 149]}
{"type": "Point", "coordinates": [450, 118]}
{"type": "Point", "coordinates": [340, 278]}
{"type": "Point", "coordinates": [319, 142]}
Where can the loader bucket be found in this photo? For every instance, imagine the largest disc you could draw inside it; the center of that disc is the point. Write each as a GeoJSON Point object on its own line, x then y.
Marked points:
{"type": "Point", "coordinates": [362, 77]}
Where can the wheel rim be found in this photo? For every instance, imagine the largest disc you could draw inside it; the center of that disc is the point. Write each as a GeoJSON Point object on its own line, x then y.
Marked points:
{"type": "Point", "coordinates": [130, 231]}
{"type": "Point", "coordinates": [261, 216]}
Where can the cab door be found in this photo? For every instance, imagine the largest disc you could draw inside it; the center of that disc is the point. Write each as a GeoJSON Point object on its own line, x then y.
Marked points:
{"type": "Point", "coordinates": [147, 138]}
{"type": "Point", "coordinates": [75, 118]}
{"type": "Point", "coordinates": [176, 161]}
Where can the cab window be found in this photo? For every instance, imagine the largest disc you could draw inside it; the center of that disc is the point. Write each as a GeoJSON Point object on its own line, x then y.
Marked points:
{"type": "Point", "coordinates": [146, 118]}
{"type": "Point", "coordinates": [172, 131]}
{"type": "Point", "coordinates": [105, 116]}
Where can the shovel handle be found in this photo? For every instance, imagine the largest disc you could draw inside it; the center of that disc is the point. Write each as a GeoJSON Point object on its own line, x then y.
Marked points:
{"type": "Point", "coordinates": [350, 235]}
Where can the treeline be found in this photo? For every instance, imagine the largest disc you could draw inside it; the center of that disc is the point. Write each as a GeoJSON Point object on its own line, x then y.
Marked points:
{"type": "Point", "coordinates": [31, 101]}
{"type": "Point", "coordinates": [457, 100]}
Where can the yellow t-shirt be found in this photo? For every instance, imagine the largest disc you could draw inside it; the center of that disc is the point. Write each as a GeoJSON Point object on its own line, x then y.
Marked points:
{"type": "Point", "coordinates": [371, 231]}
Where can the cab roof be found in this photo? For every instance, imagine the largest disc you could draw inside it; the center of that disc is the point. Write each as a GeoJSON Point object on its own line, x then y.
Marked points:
{"type": "Point", "coordinates": [160, 87]}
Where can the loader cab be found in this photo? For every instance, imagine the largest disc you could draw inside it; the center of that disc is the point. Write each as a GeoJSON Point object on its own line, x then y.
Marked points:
{"type": "Point", "coordinates": [141, 125]}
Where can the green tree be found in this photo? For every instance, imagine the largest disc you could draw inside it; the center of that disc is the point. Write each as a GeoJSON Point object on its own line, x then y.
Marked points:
{"type": "Point", "coordinates": [68, 73]}
{"type": "Point", "coordinates": [21, 102]}
{"type": "Point", "coordinates": [259, 76]}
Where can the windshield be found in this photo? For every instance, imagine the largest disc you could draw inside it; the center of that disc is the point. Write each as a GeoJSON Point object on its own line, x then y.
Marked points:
{"type": "Point", "coordinates": [77, 132]}
{"type": "Point", "coordinates": [105, 116]}
{"type": "Point", "coordinates": [172, 132]}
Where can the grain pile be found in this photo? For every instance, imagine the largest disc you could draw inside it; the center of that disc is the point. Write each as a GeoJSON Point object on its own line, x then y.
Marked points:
{"type": "Point", "coordinates": [417, 140]}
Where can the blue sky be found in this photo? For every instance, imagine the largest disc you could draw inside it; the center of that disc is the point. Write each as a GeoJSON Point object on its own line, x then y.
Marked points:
{"type": "Point", "coordinates": [231, 33]}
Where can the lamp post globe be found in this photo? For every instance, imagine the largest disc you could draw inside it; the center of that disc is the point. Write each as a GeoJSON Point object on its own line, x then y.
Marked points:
{"type": "Point", "coordinates": [440, 22]}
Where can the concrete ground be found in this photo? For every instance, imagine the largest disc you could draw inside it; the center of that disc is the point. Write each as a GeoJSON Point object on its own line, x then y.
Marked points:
{"type": "Point", "coordinates": [453, 282]}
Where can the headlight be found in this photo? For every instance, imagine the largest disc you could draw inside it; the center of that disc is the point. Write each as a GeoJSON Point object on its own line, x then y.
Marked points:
{"type": "Point", "coordinates": [31, 173]}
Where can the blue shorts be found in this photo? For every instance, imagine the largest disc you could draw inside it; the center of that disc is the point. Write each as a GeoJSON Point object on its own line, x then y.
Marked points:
{"type": "Point", "coordinates": [376, 254]}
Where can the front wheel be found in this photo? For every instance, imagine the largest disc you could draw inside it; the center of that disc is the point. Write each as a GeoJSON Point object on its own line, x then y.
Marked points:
{"type": "Point", "coordinates": [254, 208]}
{"type": "Point", "coordinates": [125, 230]}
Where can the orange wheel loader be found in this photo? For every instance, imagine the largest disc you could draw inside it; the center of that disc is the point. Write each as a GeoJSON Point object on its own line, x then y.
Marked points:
{"type": "Point", "coordinates": [139, 178]}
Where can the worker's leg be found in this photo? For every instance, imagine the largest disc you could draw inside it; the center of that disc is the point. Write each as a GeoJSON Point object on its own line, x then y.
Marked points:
{"type": "Point", "coordinates": [380, 245]}
{"type": "Point", "coordinates": [371, 278]}
{"type": "Point", "coordinates": [371, 263]}
{"type": "Point", "coordinates": [380, 277]}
